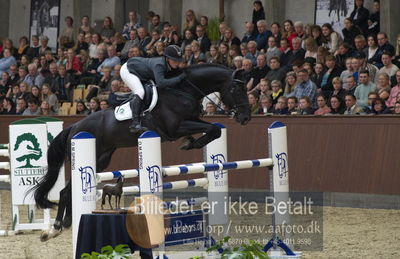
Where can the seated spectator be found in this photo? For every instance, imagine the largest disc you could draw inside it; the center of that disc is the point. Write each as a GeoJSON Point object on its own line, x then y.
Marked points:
{"type": "Point", "coordinates": [94, 105]}
{"type": "Point", "coordinates": [23, 47]}
{"type": "Point", "coordinates": [260, 71]}
{"type": "Point", "coordinates": [277, 72]}
{"type": "Point", "coordinates": [250, 33]}
{"type": "Point", "coordinates": [332, 71]}
{"type": "Point", "coordinates": [224, 52]}
{"type": "Point", "coordinates": [214, 55]}
{"type": "Point", "coordinates": [74, 65]}
{"type": "Point", "coordinates": [254, 104]}
{"type": "Point", "coordinates": [44, 41]}
{"type": "Point", "coordinates": [263, 34]}
{"type": "Point", "coordinates": [111, 61]}
{"type": "Point", "coordinates": [372, 48]}
{"type": "Point", "coordinates": [24, 91]}
{"type": "Point", "coordinates": [272, 50]}
{"type": "Point", "coordinates": [45, 109]}
{"type": "Point", "coordinates": [337, 106]}
{"type": "Point", "coordinates": [14, 77]}
{"type": "Point", "coordinates": [144, 39]}
{"type": "Point", "coordinates": [157, 50]}
{"type": "Point", "coordinates": [258, 12]}
{"type": "Point", "coordinates": [132, 41]}
{"type": "Point", "coordinates": [7, 61]}
{"type": "Point", "coordinates": [342, 54]}
{"type": "Point", "coordinates": [50, 98]}
{"type": "Point", "coordinates": [107, 30]}
{"type": "Point", "coordinates": [155, 23]}
{"type": "Point", "coordinates": [396, 59]}
{"type": "Point", "coordinates": [291, 82]}
{"type": "Point", "coordinates": [35, 93]}
{"type": "Point", "coordinates": [305, 87]}
{"type": "Point", "coordinates": [346, 73]}
{"type": "Point", "coordinates": [8, 44]}
{"type": "Point", "coordinates": [372, 96]}
{"type": "Point", "coordinates": [63, 87]}
{"type": "Point", "coordinates": [277, 91]}
{"type": "Point", "coordinates": [81, 108]}
{"type": "Point", "coordinates": [132, 24]}
{"type": "Point", "coordinates": [188, 37]}
{"type": "Point", "coordinates": [379, 107]}
{"type": "Point", "coordinates": [299, 30]}
{"type": "Point", "coordinates": [360, 16]}
{"type": "Point", "coordinates": [104, 105]}
{"type": "Point", "coordinates": [81, 44]}
{"type": "Point", "coordinates": [21, 106]}
{"type": "Point", "coordinates": [360, 44]}
{"type": "Point", "coordinates": [388, 67]}
{"type": "Point", "coordinates": [243, 49]}
{"type": "Point", "coordinates": [13, 93]}
{"type": "Point", "coordinates": [4, 83]}
{"type": "Point", "coordinates": [276, 33]}
{"type": "Point", "coordinates": [230, 38]}
{"type": "Point", "coordinates": [331, 37]}
{"type": "Point", "coordinates": [286, 52]}
{"type": "Point", "coordinates": [61, 57]}
{"type": "Point", "coordinates": [8, 107]}
{"type": "Point", "coordinates": [33, 51]}
{"type": "Point", "coordinates": [392, 99]}
{"type": "Point", "coordinates": [352, 107]}
{"type": "Point", "coordinates": [238, 62]}
{"type": "Point", "coordinates": [96, 45]}
{"type": "Point", "coordinates": [322, 53]}
{"type": "Point", "coordinates": [292, 104]}
{"type": "Point", "coordinates": [305, 106]}
{"type": "Point", "coordinates": [311, 48]}
{"type": "Point", "coordinates": [318, 74]}
{"type": "Point", "coordinates": [202, 38]}
{"type": "Point", "coordinates": [252, 52]}
{"type": "Point", "coordinates": [281, 106]}
{"type": "Point", "coordinates": [197, 55]}
{"type": "Point", "coordinates": [350, 31]}
{"type": "Point", "coordinates": [297, 53]}
{"type": "Point", "coordinates": [104, 85]}
{"type": "Point", "coordinates": [383, 46]}
{"type": "Point", "coordinates": [266, 106]}
{"type": "Point", "coordinates": [210, 109]}
{"type": "Point", "coordinates": [190, 21]}
{"type": "Point", "coordinates": [364, 88]}
{"type": "Point", "coordinates": [396, 109]}
{"type": "Point", "coordinates": [155, 37]}
{"type": "Point", "coordinates": [337, 88]}
{"type": "Point", "coordinates": [351, 84]}
{"type": "Point", "coordinates": [322, 107]}
{"type": "Point", "coordinates": [33, 107]}
{"type": "Point", "coordinates": [289, 32]}
{"type": "Point", "coordinates": [316, 33]}
{"type": "Point", "coordinates": [383, 86]}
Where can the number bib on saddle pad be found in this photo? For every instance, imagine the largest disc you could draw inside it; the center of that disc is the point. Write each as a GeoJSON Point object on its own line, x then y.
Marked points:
{"type": "Point", "coordinates": [124, 112]}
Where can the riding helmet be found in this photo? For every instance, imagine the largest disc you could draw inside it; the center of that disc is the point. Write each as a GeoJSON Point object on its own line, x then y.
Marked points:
{"type": "Point", "coordinates": [174, 52]}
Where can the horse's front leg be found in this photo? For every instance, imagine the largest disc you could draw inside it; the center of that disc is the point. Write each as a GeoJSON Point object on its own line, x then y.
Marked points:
{"type": "Point", "coordinates": [188, 128]}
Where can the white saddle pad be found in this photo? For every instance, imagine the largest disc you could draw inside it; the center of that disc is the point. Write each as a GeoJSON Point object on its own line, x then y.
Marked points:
{"type": "Point", "coordinates": [124, 112]}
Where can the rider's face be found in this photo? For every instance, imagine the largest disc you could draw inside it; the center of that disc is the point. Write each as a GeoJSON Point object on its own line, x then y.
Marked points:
{"type": "Point", "coordinates": [173, 64]}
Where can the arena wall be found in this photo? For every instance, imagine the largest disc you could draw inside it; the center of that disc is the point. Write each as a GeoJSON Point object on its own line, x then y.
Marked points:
{"type": "Point", "coordinates": [329, 154]}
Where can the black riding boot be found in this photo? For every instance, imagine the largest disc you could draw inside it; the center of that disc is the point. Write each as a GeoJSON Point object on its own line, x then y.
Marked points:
{"type": "Point", "coordinates": [136, 107]}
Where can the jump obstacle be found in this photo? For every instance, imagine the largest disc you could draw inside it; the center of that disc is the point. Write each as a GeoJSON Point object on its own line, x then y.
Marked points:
{"type": "Point", "coordinates": [27, 153]}
{"type": "Point", "coordinates": [151, 175]}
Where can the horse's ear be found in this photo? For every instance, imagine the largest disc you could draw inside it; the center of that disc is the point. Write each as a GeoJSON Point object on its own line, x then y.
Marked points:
{"type": "Point", "coordinates": [238, 74]}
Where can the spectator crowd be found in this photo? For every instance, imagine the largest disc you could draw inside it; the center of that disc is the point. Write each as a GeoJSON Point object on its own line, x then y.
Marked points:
{"type": "Point", "coordinates": [292, 68]}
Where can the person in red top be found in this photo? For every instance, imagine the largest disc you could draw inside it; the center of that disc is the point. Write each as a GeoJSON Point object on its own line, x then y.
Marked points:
{"type": "Point", "coordinates": [289, 31]}
{"type": "Point", "coordinates": [73, 65]}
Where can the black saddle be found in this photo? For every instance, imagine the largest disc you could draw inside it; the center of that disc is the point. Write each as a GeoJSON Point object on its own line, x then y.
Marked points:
{"type": "Point", "coordinates": [148, 96]}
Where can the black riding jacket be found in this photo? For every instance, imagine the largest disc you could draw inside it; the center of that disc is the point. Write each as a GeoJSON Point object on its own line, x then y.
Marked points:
{"type": "Point", "coordinates": [153, 69]}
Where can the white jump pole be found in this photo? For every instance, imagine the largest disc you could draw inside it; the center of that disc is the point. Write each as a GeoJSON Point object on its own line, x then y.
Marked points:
{"type": "Point", "coordinates": [83, 180]}
{"type": "Point", "coordinates": [279, 181]}
{"type": "Point", "coordinates": [217, 152]}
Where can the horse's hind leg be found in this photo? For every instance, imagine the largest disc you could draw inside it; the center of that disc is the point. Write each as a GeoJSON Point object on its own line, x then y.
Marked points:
{"type": "Point", "coordinates": [65, 196]}
{"type": "Point", "coordinates": [67, 221]}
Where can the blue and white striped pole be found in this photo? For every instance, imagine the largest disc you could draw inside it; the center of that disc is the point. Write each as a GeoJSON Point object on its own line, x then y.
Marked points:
{"type": "Point", "coordinates": [83, 180]}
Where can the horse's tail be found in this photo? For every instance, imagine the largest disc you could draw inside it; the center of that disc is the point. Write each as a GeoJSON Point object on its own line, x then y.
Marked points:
{"type": "Point", "coordinates": [55, 159]}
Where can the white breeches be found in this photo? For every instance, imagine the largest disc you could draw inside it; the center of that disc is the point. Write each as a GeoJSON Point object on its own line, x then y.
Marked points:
{"type": "Point", "coordinates": [132, 81]}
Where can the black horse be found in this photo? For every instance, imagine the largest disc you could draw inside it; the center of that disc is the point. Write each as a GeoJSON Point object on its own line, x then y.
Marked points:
{"type": "Point", "coordinates": [176, 115]}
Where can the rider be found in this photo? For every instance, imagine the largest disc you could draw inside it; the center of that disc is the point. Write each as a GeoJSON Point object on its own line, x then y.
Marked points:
{"type": "Point", "coordinates": [139, 69]}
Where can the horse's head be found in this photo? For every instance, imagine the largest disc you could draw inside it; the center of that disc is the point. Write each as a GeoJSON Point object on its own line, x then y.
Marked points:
{"type": "Point", "coordinates": [236, 98]}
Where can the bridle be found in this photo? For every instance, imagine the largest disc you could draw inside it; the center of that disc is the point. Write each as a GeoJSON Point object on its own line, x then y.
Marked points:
{"type": "Point", "coordinates": [233, 113]}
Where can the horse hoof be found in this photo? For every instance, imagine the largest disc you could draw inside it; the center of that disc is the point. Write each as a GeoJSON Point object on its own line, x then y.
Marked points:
{"type": "Point", "coordinates": [48, 234]}
{"type": "Point", "coordinates": [187, 143]}
{"type": "Point", "coordinates": [67, 222]}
